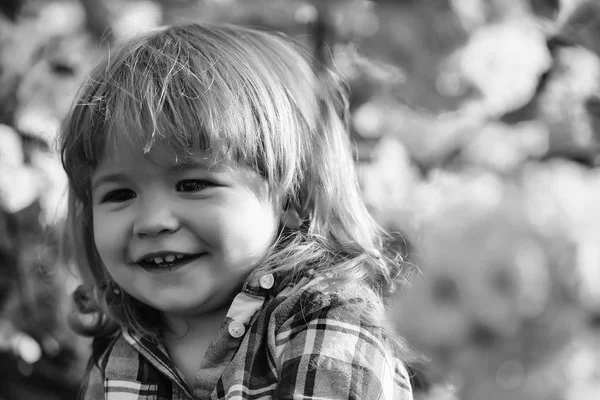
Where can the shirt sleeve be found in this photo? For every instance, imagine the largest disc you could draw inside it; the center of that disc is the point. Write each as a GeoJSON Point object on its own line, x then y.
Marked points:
{"type": "Point", "coordinates": [331, 354]}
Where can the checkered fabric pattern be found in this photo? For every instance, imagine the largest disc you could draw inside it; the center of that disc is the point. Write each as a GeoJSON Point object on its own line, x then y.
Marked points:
{"type": "Point", "coordinates": [300, 343]}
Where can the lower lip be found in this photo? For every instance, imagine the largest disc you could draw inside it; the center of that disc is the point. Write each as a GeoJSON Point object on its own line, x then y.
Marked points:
{"type": "Point", "coordinates": [166, 270]}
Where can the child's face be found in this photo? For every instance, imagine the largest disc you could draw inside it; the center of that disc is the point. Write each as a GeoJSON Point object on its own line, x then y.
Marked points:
{"type": "Point", "coordinates": [206, 225]}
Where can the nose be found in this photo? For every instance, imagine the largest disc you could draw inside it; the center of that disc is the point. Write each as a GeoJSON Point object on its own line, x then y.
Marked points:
{"type": "Point", "coordinates": [155, 217]}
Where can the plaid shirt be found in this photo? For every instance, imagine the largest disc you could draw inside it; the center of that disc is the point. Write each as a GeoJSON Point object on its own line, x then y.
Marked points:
{"type": "Point", "coordinates": [301, 343]}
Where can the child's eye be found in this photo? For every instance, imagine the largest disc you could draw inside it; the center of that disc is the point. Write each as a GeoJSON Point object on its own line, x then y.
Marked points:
{"type": "Point", "coordinates": [193, 185]}
{"type": "Point", "coordinates": [118, 196]}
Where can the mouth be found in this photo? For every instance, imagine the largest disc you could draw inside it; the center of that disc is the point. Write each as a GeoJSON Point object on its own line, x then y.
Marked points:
{"type": "Point", "coordinates": [167, 261]}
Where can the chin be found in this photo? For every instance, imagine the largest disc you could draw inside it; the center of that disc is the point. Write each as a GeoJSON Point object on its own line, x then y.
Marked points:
{"type": "Point", "coordinates": [186, 308]}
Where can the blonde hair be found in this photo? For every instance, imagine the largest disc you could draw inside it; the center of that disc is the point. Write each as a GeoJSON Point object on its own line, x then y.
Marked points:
{"type": "Point", "coordinates": [255, 97]}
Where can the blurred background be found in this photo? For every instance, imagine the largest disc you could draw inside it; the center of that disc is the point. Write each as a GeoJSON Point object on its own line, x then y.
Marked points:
{"type": "Point", "coordinates": [476, 126]}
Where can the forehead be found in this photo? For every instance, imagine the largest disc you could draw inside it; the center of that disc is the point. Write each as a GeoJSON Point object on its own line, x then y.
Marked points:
{"type": "Point", "coordinates": [162, 155]}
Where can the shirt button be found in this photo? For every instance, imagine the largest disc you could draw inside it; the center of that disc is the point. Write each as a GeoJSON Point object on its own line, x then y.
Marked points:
{"type": "Point", "coordinates": [236, 329]}
{"type": "Point", "coordinates": [266, 281]}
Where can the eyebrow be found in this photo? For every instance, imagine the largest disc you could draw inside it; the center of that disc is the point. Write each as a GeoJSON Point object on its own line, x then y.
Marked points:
{"type": "Point", "coordinates": [179, 165]}
{"type": "Point", "coordinates": [107, 179]}
{"type": "Point", "coordinates": [186, 164]}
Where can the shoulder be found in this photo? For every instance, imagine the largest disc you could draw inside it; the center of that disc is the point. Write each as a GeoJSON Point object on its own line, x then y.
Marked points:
{"type": "Point", "coordinates": [335, 338]}
{"type": "Point", "coordinates": [112, 352]}
{"type": "Point", "coordinates": [328, 303]}
{"type": "Point", "coordinates": [337, 321]}
{"type": "Point", "coordinates": [92, 386]}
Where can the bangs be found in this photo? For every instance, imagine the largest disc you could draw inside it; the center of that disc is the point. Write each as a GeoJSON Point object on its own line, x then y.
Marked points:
{"type": "Point", "coordinates": [165, 93]}
{"type": "Point", "coordinates": [196, 89]}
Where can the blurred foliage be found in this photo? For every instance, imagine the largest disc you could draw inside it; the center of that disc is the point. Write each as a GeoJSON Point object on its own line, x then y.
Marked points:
{"type": "Point", "coordinates": [476, 124]}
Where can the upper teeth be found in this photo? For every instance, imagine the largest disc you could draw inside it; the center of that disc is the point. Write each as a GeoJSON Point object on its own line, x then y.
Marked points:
{"type": "Point", "coordinates": [159, 260]}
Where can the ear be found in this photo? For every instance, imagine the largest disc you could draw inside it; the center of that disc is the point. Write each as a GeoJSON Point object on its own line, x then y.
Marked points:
{"type": "Point", "coordinates": [291, 218]}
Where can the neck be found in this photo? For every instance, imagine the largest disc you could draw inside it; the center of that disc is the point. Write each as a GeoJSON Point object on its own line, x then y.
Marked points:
{"type": "Point", "coordinates": [181, 326]}
{"type": "Point", "coordinates": [188, 339]}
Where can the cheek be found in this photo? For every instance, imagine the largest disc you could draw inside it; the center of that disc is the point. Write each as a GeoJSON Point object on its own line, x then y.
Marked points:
{"type": "Point", "coordinates": [106, 236]}
{"type": "Point", "coordinates": [264, 222]}
{"type": "Point", "coordinates": [252, 230]}
{"type": "Point", "coordinates": [102, 242]}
